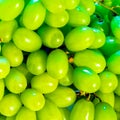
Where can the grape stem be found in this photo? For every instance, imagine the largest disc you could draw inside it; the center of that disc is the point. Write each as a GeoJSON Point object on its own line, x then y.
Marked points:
{"type": "Point", "coordinates": [107, 7]}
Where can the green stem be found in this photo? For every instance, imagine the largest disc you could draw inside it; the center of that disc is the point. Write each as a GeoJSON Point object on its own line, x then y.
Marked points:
{"type": "Point", "coordinates": [107, 7]}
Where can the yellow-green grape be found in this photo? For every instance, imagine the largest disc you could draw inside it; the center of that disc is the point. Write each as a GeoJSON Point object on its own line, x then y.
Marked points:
{"type": "Point", "coordinates": [57, 19]}
{"type": "Point", "coordinates": [106, 97]}
{"type": "Point", "coordinates": [85, 79]}
{"type": "Point", "coordinates": [54, 6]}
{"type": "Point", "coordinates": [51, 37]}
{"type": "Point", "coordinates": [12, 53]}
{"type": "Point", "coordinates": [44, 83]}
{"type": "Point", "coordinates": [90, 58]}
{"type": "Point", "coordinates": [4, 67]}
{"type": "Point", "coordinates": [25, 114]}
{"type": "Point", "coordinates": [2, 88]}
{"type": "Point", "coordinates": [65, 113]}
{"type": "Point", "coordinates": [32, 99]}
{"type": "Point", "coordinates": [79, 38]}
{"type": "Point", "coordinates": [68, 79]}
{"type": "Point", "coordinates": [27, 40]}
{"type": "Point", "coordinates": [57, 64]}
{"type": "Point", "coordinates": [78, 17]}
{"type": "Point", "coordinates": [100, 39]}
{"type": "Point", "coordinates": [10, 9]}
{"type": "Point", "coordinates": [104, 111]}
{"type": "Point", "coordinates": [82, 110]}
{"type": "Point", "coordinates": [71, 4]}
{"type": "Point", "coordinates": [109, 81]}
{"type": "Point", "coordinates": [15, 81]}
{"type": "Point", "coordinates": [88, 5]}
{"type": "Point", "coordinates": [49, 112]}
{"type": "Point", "coordinates": [33, 15]}
{"type": "Point", "coordinates": [10, 105]}
{"type": "Point", "coordinates": [113, 62]}
{"type": "Point", "coordinates": [7, 29]}
{"type": "Point", "coordinates": [62, 96]}
{"type": "Point", "coordinates": [36, 62]}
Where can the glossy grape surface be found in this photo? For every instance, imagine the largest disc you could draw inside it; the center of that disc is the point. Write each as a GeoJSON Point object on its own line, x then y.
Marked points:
{"type": "Point", "coordinates": [10, 104]}
{"type": "Point", "coordinates": [33, 13]}
{"type": "Point", "coordinates": [105, 112]}
{"type": "Point", "coordinates": [10, 9]}
{"type": "Point", "coordinates": [55, 67]}
{"type": "Point", "coordinates": [44, 83]}
{"type": "Point", "coordinates": [86, 79]}
{"type": "Point", "coordinates": [83, 110]}
{"type": "Point", "coordinates": [36, 62]}
{"type": "Point", "coordinates": [79, 38]}
{"type": "Point", "coordinates": [31, 41]}
{"type": "Point", "coordinates": [66, 96]}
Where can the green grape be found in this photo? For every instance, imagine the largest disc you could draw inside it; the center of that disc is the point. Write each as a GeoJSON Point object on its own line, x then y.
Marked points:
{"type": "Point", "coordinates": [2, 88]}
{"type": "Point", "coordinates": [79, 38]}
{"type": "Point", "coordinates": [103, 111]}
{"type": "Point", "coordinates": [117, 90]}
{"type": "Point", "coordinates": [109, 81]}
{"type": "Point", "coordinates": [44, 83]}
{"type": "Point", "coordinates": [62, 96]}
{"type": "Point", "coordinates": [10, 9]}
{"type": "Point", "coordinates": [54, 6]}
{"type": "Point", "coordinates": [90, 58]}
{"type": "Point", "coordinates": [49, 112]}
{"type": "Point", "coordinates": [117, 103]}
{"type": "Point", "coordinates": [10, 105]}
{"type": "Point", "coordinates": [78, 17]}
{"type": "Point", "coordinates": [23, 68]}
{"type": "Point", "coordinates": [4, 67]}
{"type": "Point", "coordinates": [101, 10]}
{"type": "Point", "coordinates": [82, 110]}
{"type": "Point", "coordinates": [32, 99]}
{"type": "Point", "coordinates": [33, 15]}
{"type": "Point", "coordinates": [26, 114]}
{"type": "Point", "coordinates": [15, 81]}
{"type": "Point", "coordinates": [68, 79]}
{"type": "Point", "coordinates": [111, 46]}
{"type": "Point", "coordinates": [51, 37]}
{"type": "Point", "coordinates": [12, 53]}
{"type": "Point", "coordinates": [65, 113]}
{"type": "Point", "coordinates": [36, 62]}
{"type": "Point", "coordinates": [115, 27]}
{"type": "Point", "coordinates": [100, 39]}
{"type": "Point", "coordinates": [57, 64]}
{"type": "Point", "coordinates": [7, 29]}
{"type": "Point", "coordinates": [86, 79]}
{"type": "Point", "coordinates": [101, 25]}
{"type": "Point", "coordinates": [106, 97]}
{"type": "Point", "coordinates": [113, 62]}
{"type": "Point", "coordinates": [27, 40]}
{"type": "Point", "coordinates": [88, 5]}
{"type": "Point", "coordinates": [71, 4]}
{"type": "Point", "coordinates": [57, 19]}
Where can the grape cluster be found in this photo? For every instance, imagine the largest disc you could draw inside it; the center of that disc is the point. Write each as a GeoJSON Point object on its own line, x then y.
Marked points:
{"type": "Point", "coordinates": [59, 59]}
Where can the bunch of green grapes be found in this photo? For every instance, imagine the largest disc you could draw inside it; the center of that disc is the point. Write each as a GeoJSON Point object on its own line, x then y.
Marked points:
{"type": "Point", "coordinates": [59, 59]}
